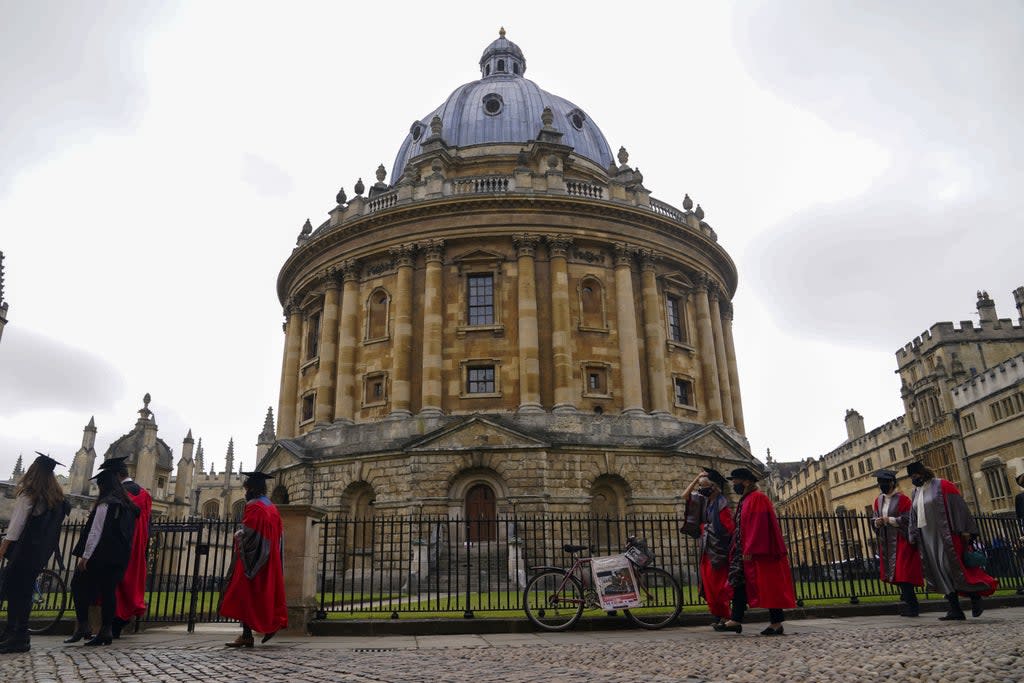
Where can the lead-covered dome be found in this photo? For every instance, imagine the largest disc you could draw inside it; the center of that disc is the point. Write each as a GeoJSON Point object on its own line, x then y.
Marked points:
{"type": "Point", "coordinates": [504, 107]}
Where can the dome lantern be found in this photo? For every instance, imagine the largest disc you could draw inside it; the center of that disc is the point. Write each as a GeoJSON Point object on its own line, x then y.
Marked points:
{"type": "Point", "coordinates": [502, 58]}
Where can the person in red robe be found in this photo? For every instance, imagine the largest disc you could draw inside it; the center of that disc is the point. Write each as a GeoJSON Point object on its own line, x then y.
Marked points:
{"type": "Point", "coordinates": [255, 592]}
{"type": "Point", "coordinates": [131, 591]}
{"type": "Point", "coordinates": [758, 568]}
{"type": "Point", "coordinates": [706, 504]}
{"type": "Point", "coordinates": [899, 562]}
{"type": "Point", "coordinates": [942, 528]}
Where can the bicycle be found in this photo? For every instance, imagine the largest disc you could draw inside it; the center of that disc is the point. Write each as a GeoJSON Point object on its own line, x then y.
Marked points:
{"type": "Point", "coordinates": [554, 598]}
{"type": "Point", "coordinates": [49, 602]}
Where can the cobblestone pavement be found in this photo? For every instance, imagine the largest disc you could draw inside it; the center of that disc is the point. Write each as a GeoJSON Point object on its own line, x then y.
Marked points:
{"type": "Point", "coordinates": [990, 648]}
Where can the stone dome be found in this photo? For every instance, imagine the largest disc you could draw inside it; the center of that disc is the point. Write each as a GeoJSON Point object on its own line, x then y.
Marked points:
{"type": "Point", "coordinates": [504, 107]}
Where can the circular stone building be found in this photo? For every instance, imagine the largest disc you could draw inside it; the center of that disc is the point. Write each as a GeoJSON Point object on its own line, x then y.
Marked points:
{"type": "Point", "coordinates": [512, 322]}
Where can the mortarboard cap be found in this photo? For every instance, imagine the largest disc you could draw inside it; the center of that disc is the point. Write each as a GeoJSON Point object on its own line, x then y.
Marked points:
{"type": "Point", "coordinates": [885, 474]}
{"type": "Point", "coordinates": [46, 461]}
{"type": "Point", "coordinates": [743, 473]}
{"type": "Point", "coordinates": [113, 464]}
{"type": "Point", "coordinates": [257, 475]}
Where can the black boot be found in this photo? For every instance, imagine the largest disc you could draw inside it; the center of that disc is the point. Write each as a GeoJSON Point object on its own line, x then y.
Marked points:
{"type": "Point", "coordinates": [955, 612]}
{"type": "Point", "coordinates": [81, 631]}
{"type": "Point", "coordinates": [16, 640]}
{"type": "Point", "coordinates": [976, 607]}
{"type": "Point", "coordinates": [115, 628]}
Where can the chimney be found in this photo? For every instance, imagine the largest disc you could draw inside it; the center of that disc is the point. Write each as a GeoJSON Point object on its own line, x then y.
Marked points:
{"type": "Point", "coordinates": [986, 308]}
{"type": "Point", "coordinates": [854, 424]}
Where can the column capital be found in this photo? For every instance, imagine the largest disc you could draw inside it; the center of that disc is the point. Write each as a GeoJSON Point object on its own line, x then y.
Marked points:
{"type": "Point", "coordinates": [402, 255]}
{"type": "Point", "coordinates": [558, 245]}
{"type": "Point", "coordinates": [624, 254]}
{"type": "Point", "coordinates": [648, 258]}
{"type": "Point", "coordinates": [525, 243]}
{"type": "Point", "coordinates": [433, 250]}
{"type": "Point", "coordinates": [704, 282]}
{"type": "Point", "coordinates": [727, 311]}
{"type": "Point", "coordinates": [291, 306]}
{"type": "Point", "coordinates": [351, 269]}
{"type": "Point", "coordinates": [330, 277]}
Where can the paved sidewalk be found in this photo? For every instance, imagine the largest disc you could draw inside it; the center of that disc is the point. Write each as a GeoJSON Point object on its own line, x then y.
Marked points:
{"type": "Point", "coordinates": [989, 648]}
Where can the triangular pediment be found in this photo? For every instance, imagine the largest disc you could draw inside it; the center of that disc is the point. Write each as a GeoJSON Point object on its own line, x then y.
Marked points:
{"type": "Point", "coordinates": [283, 454]}
{"type": "Point", "coordinates": [475, 433]}
{"type": "Point", "coordinates": [714, 441]}
{"type": "Point", "coordinates": [478, 257]}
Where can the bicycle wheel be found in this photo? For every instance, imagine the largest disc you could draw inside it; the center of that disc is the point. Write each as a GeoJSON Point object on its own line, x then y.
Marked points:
{"type": "Point", "coordinates": [553, 600]}
{"type": "Point", "coordinates": [49, 600]}
{"type": "Point", "coordinates": [662, 599]}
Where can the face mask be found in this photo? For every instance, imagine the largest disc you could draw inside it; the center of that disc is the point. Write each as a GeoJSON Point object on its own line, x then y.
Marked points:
{"type": "Point", "coordinates": [706, 491]}
{"type": "Point", "coordinates": [738, 488]}
{"type": "Point", "coordinates": [885, 486]}
{"type": "Point", "coordinates": [917, 481]}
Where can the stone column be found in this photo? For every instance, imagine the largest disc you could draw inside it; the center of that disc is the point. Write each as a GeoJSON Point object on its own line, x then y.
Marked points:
{"type": "Point", "coordinates": [301, 535]}
{"type": "Point", "coordinates": [287, 405]}
{"type": "Point", "coordinates": [529, 338]}
{"type": "Point", "coordinates": [345, 381]}
{"type": "Point", "coordinates": [629, 353]}
{"type": "Point", "coordinates": [433, 309]}
{"type": "Point", "coordinates": [654, 336]}
{"type": "Point", "coordinates": [708, 363]}
{"type": "Point", "coordinates": [722, 363]}
{"type": "Point", "coordinates": [401, 359]}
{"type": "Point", "coordinates": [561, 321]}
{"type": "Point", "coordinates": [734, 376]}
{"type": "Point", "coordinates": [328, 351]}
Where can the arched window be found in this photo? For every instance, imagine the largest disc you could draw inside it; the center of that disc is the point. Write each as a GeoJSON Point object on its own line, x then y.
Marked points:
{"type": "Point", "coordinates": [280, 495]}
{"type": "Point", "coordinates": [591, 294]}
{"type": "Point", "coordinates": [238, 510]}
{"type": "Point", "coordinates": [377, 316]}
{"type": "Point", "coordinates": [501, 66]}
{"type": "Point", "coordinates": [211, 509]}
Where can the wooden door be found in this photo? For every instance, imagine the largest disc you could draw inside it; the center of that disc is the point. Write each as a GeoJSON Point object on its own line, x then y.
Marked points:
{"type": "Point", "coordinates": [481, 511]}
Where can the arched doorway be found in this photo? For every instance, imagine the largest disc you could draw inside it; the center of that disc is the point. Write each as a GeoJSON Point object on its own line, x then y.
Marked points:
{"type": "Point", "coordinates": [481, 513]}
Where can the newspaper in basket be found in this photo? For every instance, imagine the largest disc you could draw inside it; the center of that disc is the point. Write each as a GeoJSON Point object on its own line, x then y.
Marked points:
{"type": "Point", "coordinates": [615, 582]}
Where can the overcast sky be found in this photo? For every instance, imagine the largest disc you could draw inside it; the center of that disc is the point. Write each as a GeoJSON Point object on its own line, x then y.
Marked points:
{"type": "Point", "coordinates": [859, 161]}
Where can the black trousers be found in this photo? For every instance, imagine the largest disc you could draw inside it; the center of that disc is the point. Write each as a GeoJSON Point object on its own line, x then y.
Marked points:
{"type": "Point", "coordinates": [739, 606]}
{"type": "Point", "coordinates": [19, 583]}
{"type": "Point", "coordinates": [908, 595]}
{"type": "Point", "coordinates": [93, 583]}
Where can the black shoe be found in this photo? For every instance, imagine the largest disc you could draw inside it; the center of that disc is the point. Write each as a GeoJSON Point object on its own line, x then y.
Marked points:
{"type": "Point", "coordinates": [77, 636]}
{"type": "Point", "coordinates": [115, 628]}
{"type": "Point", "coordinates": [953, 616]}
{"type": "Point", "coordinates": [735, 628]}
{"type": "Point", "coordinates": [268, 636]}
{"type": "Point", "coordinates": [99, 640]}
{"type": "Point", "coordinates": [772, 631]}
{"type": "Point", "coordinates": [16, 644]}
{"type": "Point", "coordinates": [977, 608]}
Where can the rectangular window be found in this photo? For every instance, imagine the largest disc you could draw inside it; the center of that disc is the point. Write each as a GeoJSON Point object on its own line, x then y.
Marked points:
{"type": "Point", "coordinates": [870, 466]}
{"type": "Point", "coordinates": [998, 486]}
{"type": "Point", "coordinates": [597, 379]}
{"type": "Point", "coordinates": [970, 424]}
{"type": "Point", "coordinates": [997, 411]}
{"type": "Point", "coordinates": [675, 323]}
{"type": "Point", "coordinates": [375, 387]}
{"type": "Point", "coordinates": [892, 455]}
{"type": "Point", "coordinates": [835, 477]}
{"type": "Point", "coordinates": [313, 336]}
{"type": "Point", "coordinates": [683, 392]}
{"type": "Point", "coordinates": [480, 380]}
{"type": "Point", "coordinates": [844, 474]}
{"type": "Point", "coordinates": [860, 466]}
{"type": "Point", "coordinates": [481, 299]}
{"type": "Point", "coordinates": [906, 450]}
{"type": "Point", "coordinates": [308, 404]}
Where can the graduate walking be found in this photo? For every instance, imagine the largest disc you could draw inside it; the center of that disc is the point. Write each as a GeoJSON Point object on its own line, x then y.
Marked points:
{"type": "Point", "coordinates": [758, 568]}
{"type": "Point", "coordinates": [899, 562]}
{"type": "Point", "coordinates": [255, 592]}
{"type": "Point", "coordinates": [942, 528]}
{"type": "Point", "coordinates": [103, 551]}
{"type": "Point", "coordinates": [706, 504]}
{"type": "Point", "coordinates": [39, 511]}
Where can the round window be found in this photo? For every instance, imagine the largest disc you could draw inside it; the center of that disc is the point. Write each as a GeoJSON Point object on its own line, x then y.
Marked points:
{"type": "Point", "coordinates": [492, 104]}
{"type": "Point", "coordinates": [576, 118]}
{"type": "Point", "coordinates": [416, 130]}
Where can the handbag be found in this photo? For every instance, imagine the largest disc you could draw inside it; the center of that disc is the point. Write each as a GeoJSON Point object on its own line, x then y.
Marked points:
{"type": "Point", "coordinates": [974, 556]}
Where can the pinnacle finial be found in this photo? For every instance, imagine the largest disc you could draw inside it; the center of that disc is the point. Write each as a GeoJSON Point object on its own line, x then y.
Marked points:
{"type": "Point", "coordinates": [547, 117]}
{"type": "Point", "coordinates": [623, 156]}
{"type": "Point", "coordinates": [699, 213]}
{"type": "Point", "coordinates": [501, 32]}
{"type": "Point", "coordinates": [687, 202]}
{"type": "Point", "coordinates": [435, 126]}
{"type": "Point", "coordinates": [341, 197]}
{"type": "Point", "coordinates": [359, 187]}
{"type": "Point", "coordinates": [307, 227]}
{"type": "Point", "coordinates": [382, 173]}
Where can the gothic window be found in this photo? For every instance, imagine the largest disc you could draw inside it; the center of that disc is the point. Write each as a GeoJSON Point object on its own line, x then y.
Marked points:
{"type": "Point", "coordinates": [377, 316]}
{"type": "Point", "coordinates": [481, 299]}
{"type": "Point", "coordinates": [211, 509]}
{"type": "Point", "coordinates": [237, 510]}
{"type": "Point", "coordinates": [313, 336]}
{"type": "Point", "coordinates": [994, 470]}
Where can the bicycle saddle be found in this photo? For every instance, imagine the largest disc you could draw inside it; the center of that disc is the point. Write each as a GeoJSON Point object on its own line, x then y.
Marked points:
{"type": "Point", "coordinates": [574, 548]}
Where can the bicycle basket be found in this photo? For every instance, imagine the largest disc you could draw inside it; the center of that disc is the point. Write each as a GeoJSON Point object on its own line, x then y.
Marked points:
{"type": "Point", "coordinates": [639, 553]}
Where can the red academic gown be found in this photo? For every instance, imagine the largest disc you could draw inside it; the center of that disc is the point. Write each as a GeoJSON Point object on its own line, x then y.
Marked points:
{"type": "Point", "coordinates": [255, 592]}
{"type": "Point", "coordinates": [769, 583]}
{"type": "Point", "coordinates": [973, 575]}
{"type": "Point", "coordinates": [715, 580]}
{"type": "Point", "coordinates": [907, 566]}
{"type": "Point", "coordinates": [131, 592]}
